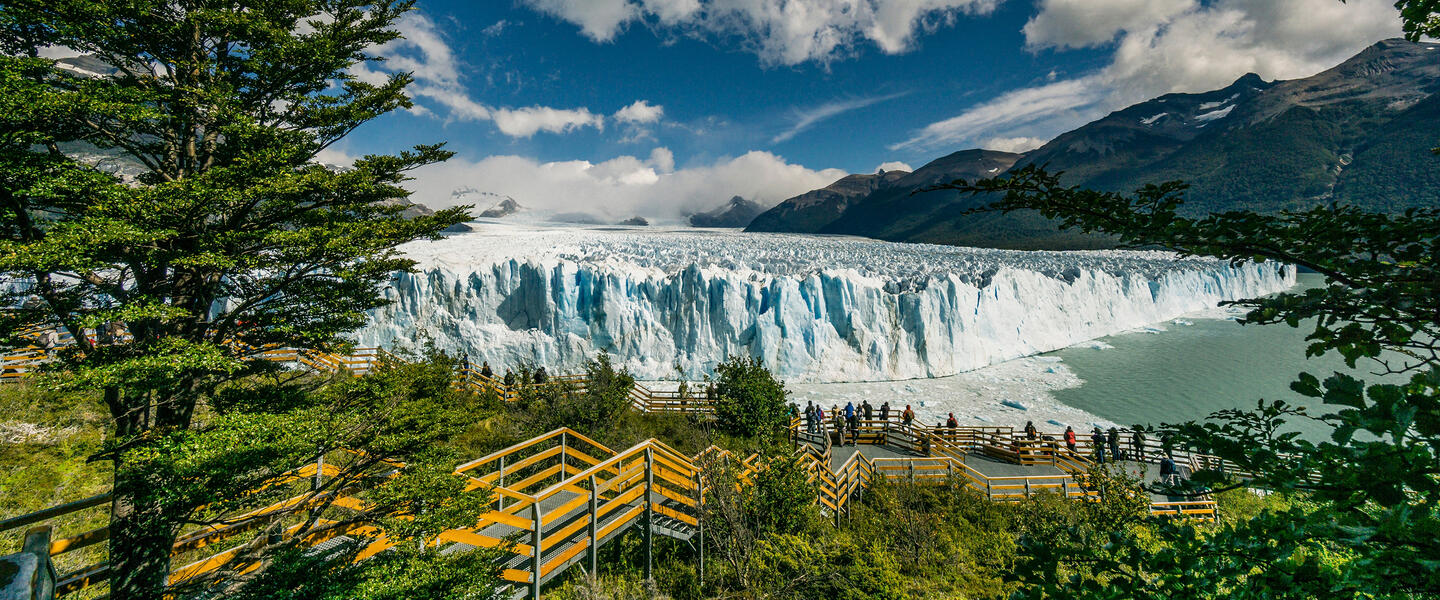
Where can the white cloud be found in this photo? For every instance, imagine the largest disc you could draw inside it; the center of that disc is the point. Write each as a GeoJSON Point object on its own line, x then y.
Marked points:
{"type": "Point", "coordinates": [640, 112]}
{"type": "Point", "coordinates": [525, 122]}
{"type": "Point", "coordinates": [600, 20]}
{"type": "Point", "coordinates": [496, 29]}
{"type": "Point", "coordinates": [780, 33]}
{"type": "Point", "coordinates": [1163, 49]}
{"type": "Point", "coordinates": [804, 119]}
{"type": "Point", "coordinates": [1084, 23]}
{"type": "Point", "coordinates": [1013, 144]}
{"type": "Point", "coordinates": [623, 186]}
{"type": "Point", "coordinates": [424, 53]}
{"type": "Point", "coordinates": [894, 165]}
{"type": "Point", "coordinates": [1037, 108]}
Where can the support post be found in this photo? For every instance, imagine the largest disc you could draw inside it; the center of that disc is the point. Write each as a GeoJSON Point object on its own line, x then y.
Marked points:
{"type": "Point", "coordinates": [700, 523]}
{"type": "Point", "coordinates": [594, 524]}
{"type": "Point", "coordinates": [563, 448]}
{"type": "Point", "coordinates": [1027, 487]}
{"type": "Point", "coordinates": [649, 514]}
{"type": "Point", "coordinates": [536, 539]}
{"type": "Point", "coordinates": [989, 493]}
{"type": "Point", "coordinates": [500, 498]}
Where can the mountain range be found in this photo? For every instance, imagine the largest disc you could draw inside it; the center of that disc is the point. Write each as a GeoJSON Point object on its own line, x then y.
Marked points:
{"type": "Point", "coordinates": [1359, 133]}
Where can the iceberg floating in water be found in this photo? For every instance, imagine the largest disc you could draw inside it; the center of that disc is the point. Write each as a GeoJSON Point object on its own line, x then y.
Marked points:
{"type": "Point", "coordinates": [814, 308]}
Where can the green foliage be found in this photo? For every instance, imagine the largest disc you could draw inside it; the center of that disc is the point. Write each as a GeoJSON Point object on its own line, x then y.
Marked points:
{"type": "Point", "coordinates": [777, 500]}
{"type": "Point", "coordinates": [593, 408]}
{"type": "Point", "coordinates": [1369, 520]}
{"type": "Point", "coordinates": [749, 400]}
{"type": "Point", "coordinates": [232, 237]}
{"type": "Point", "coordinates": [45, 438]}
{"type": "Point", "coordinates": [400, 574]}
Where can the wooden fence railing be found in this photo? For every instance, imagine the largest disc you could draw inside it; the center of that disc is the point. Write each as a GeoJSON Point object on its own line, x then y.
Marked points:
{"type": "Point", "coordinates": [557, 498]}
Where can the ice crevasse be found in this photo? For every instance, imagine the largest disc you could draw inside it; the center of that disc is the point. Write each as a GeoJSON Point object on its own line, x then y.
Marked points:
{"type": "Point", "coordinates": [814, 309]}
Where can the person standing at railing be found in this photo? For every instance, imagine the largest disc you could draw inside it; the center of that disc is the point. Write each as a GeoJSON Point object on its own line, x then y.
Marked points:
{"type": "Point", "coordinates": [810, 418]}
{"type": "Point", "coordinates": [465, 365]}
{"type": "Point", "coordinates": [907, 417]}
{"type": "Point", "coordinates": [952, 425]}
{"type": "Point", "coordinates": [485, 370]}
{"type": "Point", "coordinates": [540, 376]}
{"type": "Point", "coordinates": [1137, 443]}
{"type": "Point", "coordinates": [509, 378]}
{"type": "Point", "coordinates": [1097, 445]}
{"type": "Point", "coordinates": [851, 421]}
{"type": "Point", "coordinates": [1070, 442]}
{"type": "Point", "coordinates": [1114, 442]}
{"type": "Point", "coordinates": [839, 423]}
{"type": "Point", "coordinates": [885, 412]}
{"type": "Point", "coordinates": [866, 410]}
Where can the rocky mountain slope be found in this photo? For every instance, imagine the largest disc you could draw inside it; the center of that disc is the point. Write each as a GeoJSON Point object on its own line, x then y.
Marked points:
{"type": "Point", "coordinates": [1358, 133]}
{"type": "Point", "coordinates": [738, 212]}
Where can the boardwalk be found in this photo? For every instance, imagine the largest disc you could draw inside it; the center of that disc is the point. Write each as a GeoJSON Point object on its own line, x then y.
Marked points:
{"type": "Point", "coordinates": [557, 498]}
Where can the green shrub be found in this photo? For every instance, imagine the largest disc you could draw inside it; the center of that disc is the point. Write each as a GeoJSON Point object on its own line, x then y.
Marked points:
{"type": "Point", "coordinates": [749, 400]}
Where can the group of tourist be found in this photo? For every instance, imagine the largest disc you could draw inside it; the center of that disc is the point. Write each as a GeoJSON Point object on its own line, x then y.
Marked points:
{"type": "Point", "coordinates": [538, 376]}
{"type": "Point", "coordinates": [846, 421]}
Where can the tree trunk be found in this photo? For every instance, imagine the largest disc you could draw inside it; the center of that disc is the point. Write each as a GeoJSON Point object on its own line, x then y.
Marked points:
{"type": "Point", "coordinates": [140, 539]}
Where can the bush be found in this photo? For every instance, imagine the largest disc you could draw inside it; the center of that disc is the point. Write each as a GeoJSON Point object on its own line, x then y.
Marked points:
{"type": "Point", "coordinates": [593, 409]}
{"type": "Point", "coordinates": [749, 400]}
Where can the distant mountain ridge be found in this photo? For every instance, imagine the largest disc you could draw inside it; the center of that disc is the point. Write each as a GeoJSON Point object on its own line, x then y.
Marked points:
{"type": "Point", "coordinates": [738, 212]}
{"type": "Point", "coordinates": [1358, 133]}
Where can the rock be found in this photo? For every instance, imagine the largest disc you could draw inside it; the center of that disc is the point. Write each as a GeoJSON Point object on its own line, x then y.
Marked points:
{"type": "Point", "coordinates": [505, 208]}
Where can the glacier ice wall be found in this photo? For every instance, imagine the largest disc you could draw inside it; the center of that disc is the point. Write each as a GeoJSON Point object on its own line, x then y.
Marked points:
{"type": "Point", "coordinates": [813, 308]}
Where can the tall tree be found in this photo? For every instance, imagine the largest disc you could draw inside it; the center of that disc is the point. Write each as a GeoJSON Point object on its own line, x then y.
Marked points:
{"type": "Point", "coordinates": [232, 239]}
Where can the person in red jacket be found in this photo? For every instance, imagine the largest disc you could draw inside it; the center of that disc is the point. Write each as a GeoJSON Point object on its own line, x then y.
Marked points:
{"type": "Point", "coordinates": [1070, 439]}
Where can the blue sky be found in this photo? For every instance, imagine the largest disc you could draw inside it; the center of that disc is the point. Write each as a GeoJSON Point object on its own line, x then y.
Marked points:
{"type": "Point", "coordinates": [664, 107]}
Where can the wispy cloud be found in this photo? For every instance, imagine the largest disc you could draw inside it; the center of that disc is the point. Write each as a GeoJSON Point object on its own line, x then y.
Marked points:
{"type": "Point", "coordinates": [424, 52]}
{"type": "Point", "coordinates": [1160, 47]}
{"type": "Point", "coordinates": [1069, 101]}
{"type": "Point", "coordinates": [806, 118]}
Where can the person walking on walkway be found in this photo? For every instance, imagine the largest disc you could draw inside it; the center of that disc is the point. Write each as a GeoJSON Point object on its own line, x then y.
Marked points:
{"type": "Point", "coordinates": [1070, 440]}
{"type": "Point", "coordinates": [1169, 472]}
{"type": "Point", "coordinates": [464, 363]}
{"type": "Point", "coordinates": [1114, 442]}
{"type": "Point", "coordinates": [1137, 444]}
{"type": "Point", "coordinates": [907, 417]}
{"type": "Point", "coordinates": [839, 424]}
{"type": "Point", "coordinates": [810, 418]}
{"type": "Point", "coordinates": [1097, 445]}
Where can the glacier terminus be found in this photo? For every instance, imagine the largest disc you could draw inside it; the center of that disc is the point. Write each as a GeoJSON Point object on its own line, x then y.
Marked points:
{"type": "Point", "coordinates": [814, 308]}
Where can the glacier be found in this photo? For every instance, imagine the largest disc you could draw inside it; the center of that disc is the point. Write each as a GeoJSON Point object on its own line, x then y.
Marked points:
{"type": "Point", "coordinates": [669, 303]}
